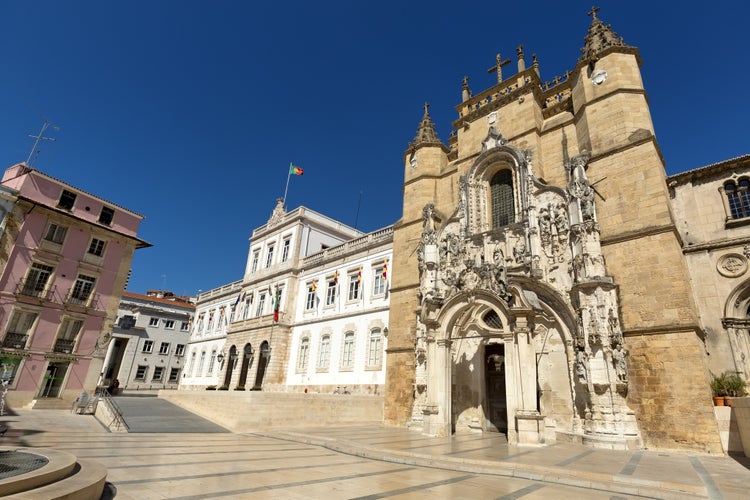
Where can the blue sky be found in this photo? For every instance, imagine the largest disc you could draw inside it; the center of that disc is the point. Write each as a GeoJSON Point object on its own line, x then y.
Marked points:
{"type": "Point", "coordinates": [190, 112]}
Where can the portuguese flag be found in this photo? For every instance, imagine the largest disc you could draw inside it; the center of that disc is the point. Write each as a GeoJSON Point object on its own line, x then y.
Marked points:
{"type": "Point", "coordinates": [295, 170]}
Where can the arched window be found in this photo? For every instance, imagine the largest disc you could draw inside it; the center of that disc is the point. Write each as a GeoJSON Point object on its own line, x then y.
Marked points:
{"type": "Point", "coordinates": [501, 199]}
{"type": "Point", "coordinates": [200, 364]}
{"type": "Point", "coordinates": [304, 352]}
{"type": "Point", "coordinates": [738, 196]}
{"type": "Point", "coordinates": [324, 355]}
{"type": "Point", "coordinates": [347, 351]}
{"type": "Point", "coordinates": [192, 364]}
{"type": "Point", "coordinates": [375, 348]}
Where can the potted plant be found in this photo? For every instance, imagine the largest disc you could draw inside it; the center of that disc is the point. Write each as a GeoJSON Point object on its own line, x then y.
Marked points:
{"type": "Point", "coordinates": [727, 385]}
{"type": "Point", "coordinates": [735, 386]}
{"type": "Point", "coordinates": [718, 388]}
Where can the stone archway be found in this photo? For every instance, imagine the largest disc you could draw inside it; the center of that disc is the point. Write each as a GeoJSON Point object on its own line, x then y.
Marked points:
{"type": "Point", "coordinates": [736, 322]}
{"type": "Point", "coordinates": [247, 362]}
{"type": "Point", "coordinates": [265, 355]}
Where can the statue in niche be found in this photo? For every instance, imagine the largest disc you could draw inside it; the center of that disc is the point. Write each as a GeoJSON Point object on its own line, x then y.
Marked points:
{"type": "Point", "coordinates": [498, 257]}
{"type": "Point", "coordinates": [429, 235]}
{"type": "Point", "coordinates": [544, 225]}
{"type": "Point", "coordinates": [581, 366]}
{"type": "Point", "coordinates": [561, 221]}
{"type": "Point", "coordinates": [519, 251]}
{"type": "Point", "coordinates": [579, 335]}
{"type": "Point", "coordinates": [618, 359]}
{"type": "Point", "coordinates": [578, 267]}
{"type": "Point", "coordinates": [595, 337]}
{"type": "Point", "coordinates": [614, 324]}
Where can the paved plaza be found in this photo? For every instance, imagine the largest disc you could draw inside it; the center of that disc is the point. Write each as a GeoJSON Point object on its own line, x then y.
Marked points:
{"type": "Point", "coordinates": [362, 462]}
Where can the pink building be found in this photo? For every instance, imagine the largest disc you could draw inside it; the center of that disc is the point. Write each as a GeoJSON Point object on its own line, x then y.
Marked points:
{"type": "Point", "coordinates": [65, 257]}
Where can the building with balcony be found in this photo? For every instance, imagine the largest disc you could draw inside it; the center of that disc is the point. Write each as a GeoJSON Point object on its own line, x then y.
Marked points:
{"type": "Point", "coordinates": [149, 338]}
{"type": "Point", "coordinates": [67, 257]}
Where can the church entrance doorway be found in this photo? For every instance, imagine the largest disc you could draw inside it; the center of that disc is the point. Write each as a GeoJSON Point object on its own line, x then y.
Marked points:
{"type": "Point", "coordinates": [494, 374]}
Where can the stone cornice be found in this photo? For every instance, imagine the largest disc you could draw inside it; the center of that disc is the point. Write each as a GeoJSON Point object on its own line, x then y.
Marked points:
{"type": "Point", "coordinates": [641, 233]}
{"type": "Point", "coordinates": [664, 330]}
{"type": "Point", "coordinates": [716, 245]}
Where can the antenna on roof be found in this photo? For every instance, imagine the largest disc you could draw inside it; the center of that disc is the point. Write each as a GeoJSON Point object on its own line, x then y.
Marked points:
{"type": "Point", "coordinates": [34, 153]}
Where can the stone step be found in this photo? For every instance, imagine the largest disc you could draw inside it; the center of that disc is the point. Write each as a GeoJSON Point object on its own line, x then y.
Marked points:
{"type": "Point", "coordinates": [50, 404]}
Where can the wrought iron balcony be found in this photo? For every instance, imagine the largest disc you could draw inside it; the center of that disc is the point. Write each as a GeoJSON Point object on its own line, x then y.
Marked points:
{"type": "Point", "coordinates": [32, 288]}
{"type": "Point", "coordinates": [91, 300]}
{"type": "Point", "coordinates": [64, 345]}
{"type": "Point", "coordinates": [15, 340]}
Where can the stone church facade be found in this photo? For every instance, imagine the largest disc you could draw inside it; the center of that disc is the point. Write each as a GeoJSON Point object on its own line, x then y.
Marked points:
{"type": "Point", "coordinates": [540, 287]}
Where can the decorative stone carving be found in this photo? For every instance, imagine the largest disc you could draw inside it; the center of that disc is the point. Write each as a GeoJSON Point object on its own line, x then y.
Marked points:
{"type": "Point", "coordinates": [618, 359]}
{"type": "Point", "coordinates": [278, 213]}
{"type": "Point", "coordinates": [732, 265]}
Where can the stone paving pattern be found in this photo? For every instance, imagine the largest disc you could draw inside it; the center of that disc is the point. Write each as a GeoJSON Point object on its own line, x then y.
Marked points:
{"type": "Point", "coordinates": [366, 462]}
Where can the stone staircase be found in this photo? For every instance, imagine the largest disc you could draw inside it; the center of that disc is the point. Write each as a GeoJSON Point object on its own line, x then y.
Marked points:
{"type": "Point", "coordinates": [50, 404]}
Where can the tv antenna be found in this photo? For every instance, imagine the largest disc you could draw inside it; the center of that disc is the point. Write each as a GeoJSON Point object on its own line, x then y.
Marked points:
{"type": "Point", "coordinates": [34, 153]}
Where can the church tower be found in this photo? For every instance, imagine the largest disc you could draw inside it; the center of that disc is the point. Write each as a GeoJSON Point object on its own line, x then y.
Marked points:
{"type": "Point", "coordinates": [539, 285]}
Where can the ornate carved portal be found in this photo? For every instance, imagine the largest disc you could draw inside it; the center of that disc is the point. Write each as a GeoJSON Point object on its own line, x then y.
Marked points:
{"type": "Point", "coordinates": [528, 304]}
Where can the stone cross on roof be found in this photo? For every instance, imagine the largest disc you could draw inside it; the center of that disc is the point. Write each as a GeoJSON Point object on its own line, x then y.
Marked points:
{"type": "Point", "coordinates": [498, 67]}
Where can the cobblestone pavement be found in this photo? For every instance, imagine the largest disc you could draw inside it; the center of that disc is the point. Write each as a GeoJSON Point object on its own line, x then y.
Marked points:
{"type": "Point", "coordinates": [368, 462]}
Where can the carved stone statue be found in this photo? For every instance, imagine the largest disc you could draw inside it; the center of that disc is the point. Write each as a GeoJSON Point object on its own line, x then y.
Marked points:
{"type": "Point", "coordinates": [618, 359]}
{"type": "Point", "coordinates": [581, 366]}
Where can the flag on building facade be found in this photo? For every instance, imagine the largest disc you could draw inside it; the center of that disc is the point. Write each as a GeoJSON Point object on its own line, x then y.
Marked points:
{"type": "Point", "coordinates": [385, 270]}
{"type": "Point", "coordinates": [359, 275]}
{"type": "Point", "coordinates": [276, 305]}
{"type": "Point", "coordinates": [336, 278]}
{"type": "Point", "coordinates": [295, 170]}
{"type": "Point", "coordinates": [314, 285]}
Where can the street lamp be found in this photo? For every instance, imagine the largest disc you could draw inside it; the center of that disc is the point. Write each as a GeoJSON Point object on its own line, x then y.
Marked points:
{"type": "Point", "coordinates": [220, 357]}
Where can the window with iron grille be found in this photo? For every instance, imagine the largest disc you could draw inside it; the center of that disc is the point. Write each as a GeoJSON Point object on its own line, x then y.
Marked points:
{"type": "Point", "coordinates": [36, 280]}
{"type": "Point", "coordinates": [82, 289]}
{"type": "Point", "coordinates": [174, 374]}
{"type": "Point", "coordinates": [19, 329]}
{"type": "Point", "coordinates": [501, 199]}
{"type": "Point", "coordinates": [140, 373]}
{"type": "Point", "coordinates": [158, 371]}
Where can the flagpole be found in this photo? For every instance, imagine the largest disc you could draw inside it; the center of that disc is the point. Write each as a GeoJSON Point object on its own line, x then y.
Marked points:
{"type": "Point", "coordinates": [288, 176]}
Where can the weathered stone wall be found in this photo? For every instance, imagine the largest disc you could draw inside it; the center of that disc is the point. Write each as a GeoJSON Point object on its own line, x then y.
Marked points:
{"type": "Point", "coordinates": [669, 392]}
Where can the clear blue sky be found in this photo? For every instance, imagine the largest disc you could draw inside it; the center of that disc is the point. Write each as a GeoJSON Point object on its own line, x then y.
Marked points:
{"type": "Point", "coordinates": [190, 112]}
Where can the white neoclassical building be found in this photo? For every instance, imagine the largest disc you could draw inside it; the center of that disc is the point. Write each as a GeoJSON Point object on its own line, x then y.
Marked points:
{"type": "Point", "coordinates": [310, 314]}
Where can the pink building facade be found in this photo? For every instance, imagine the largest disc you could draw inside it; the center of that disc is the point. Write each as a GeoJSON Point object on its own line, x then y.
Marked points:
{"type": "Point", "coordinates": [65, 257]}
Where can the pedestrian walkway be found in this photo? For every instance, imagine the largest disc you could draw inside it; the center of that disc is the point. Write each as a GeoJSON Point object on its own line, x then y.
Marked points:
{"type": "Point", "coordinates": [152, 414]}
{"type": "Point", "coordinates": [368, 462]}
{"type": "Point", "coordinates": [636, 472]}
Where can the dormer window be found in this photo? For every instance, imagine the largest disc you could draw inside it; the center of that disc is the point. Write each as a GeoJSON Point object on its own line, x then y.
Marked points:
{"type": "Point", "coordinates": [67, 200]}
{"type": "Point", "coordinates": [106, 216]}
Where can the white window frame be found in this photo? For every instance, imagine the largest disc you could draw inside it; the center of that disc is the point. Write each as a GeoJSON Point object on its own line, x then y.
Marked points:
{"type": "Point", "coordinates": [324, 352]}
{"type": "Point", "coordinates": [164, 348]}
{"type": "Point", "coordinates": [184, 326]}
{"type": "Point", "coordinates": [303, 354]}
{"type": "Point", "coordinates": [83, 289]}
{"type": "Point", "coordinates": [261, 305]}
{"type": "Point", "coordinates": [331, 287]}
{"type": "Point", "coordinates": [378, 282]}
{"type": "Point", "coordinates": [348, 345]}
{"type": "Point", "coordinates": [375, 348]}
{"type": "Point", "coordinates": [269, 255]}
{"type": "Point", "coordinates": [310, 298]}
{"type": "Point", "coordinates": [153, 321]}
{"type": "Point", "coordinates": [179, 350]}
{"type": "Point", "coordinates": [354, 286]}
{"type": "Point", "coordinates": [256, 261]}
{"type": "Point", "coordinates": [285, 248]}
{"type": "Point", "coordinates": [169, 324]}
{"type": "Point", "coordinates": [97, 247]}
{"type": "Point", "coordinates": [148, 346]}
